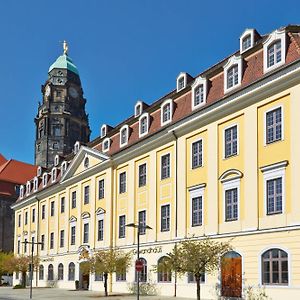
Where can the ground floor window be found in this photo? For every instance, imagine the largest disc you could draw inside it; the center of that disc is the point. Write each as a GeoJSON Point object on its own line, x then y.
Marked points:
{"type": "Point", "coordinates": [191, 278]}
{"type": "Point", "coordinates": [60, 272]}
{"type": "Point", "coordinates": [163, 275]}
{"type": "Point", "coordinates": [71, 276]}
{"type": "Point", "coordinates": [50, 272]}
{"type": "Point", "coordinates": [41, 272]}
{"type": "Point", "coordinates": [121, 276]}
{"type": "Point", "coordinates": [98, 276]}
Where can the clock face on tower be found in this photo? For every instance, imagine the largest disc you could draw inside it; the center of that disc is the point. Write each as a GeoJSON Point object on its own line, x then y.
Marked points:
{"type": "Point", "coordinates": [73, 92]}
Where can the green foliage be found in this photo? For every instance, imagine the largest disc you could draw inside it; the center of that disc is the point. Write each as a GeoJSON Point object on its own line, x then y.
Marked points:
{"type": "Point", "coordinates": [4, 258]}
{"type": "Point", "coordinates": [146, 289]}
{"type": "Point", "coordinates": [259, 293]}
{"type": "Point", "coordinates": [18, 286]}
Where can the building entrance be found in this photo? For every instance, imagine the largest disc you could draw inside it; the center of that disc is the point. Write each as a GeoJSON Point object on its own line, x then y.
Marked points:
{"type": "Point", "coordinates": [84, 277]}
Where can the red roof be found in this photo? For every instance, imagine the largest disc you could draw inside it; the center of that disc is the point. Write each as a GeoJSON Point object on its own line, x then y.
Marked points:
{"type": "Point", "coordinates": [2, 159]}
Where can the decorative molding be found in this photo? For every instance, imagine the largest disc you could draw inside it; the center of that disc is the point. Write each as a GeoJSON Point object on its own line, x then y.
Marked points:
{"type": "Point", "coordinates": [279, 165]}
{"type": "Point", "coordinates": [236, 175]}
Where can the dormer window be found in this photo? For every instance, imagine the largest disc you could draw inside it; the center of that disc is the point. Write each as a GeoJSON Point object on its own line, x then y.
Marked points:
{"type": "Point", "coordinates": [56, 160]}
{"type": "Point", "coordinates": [106, 145]}
{"type": "Point", "coordinates": [39, 171]}
{"type": "Point", "coordinates": [103, 130]}
{"type": "Point", "coordinates": [199, 92]}
{"type": "Point", "coordinates": [35, 184]}
{"type": "Point", "coordinates": [274, 50]}
{"type": "Point", "coordinates": [166, 111]}
{"type": "Point", "coordinates": [53, 174]}
{"type": "Point", "coordinates": [86, 162]}
{"type": "Point", "coordinates": [246, 40]}
{"type": "Point", "coordinates": [181, 81]}
{"type": "Point", "coordinates": [21, 191]}
{"type": "Point", "coordinates": [63, 167]}
{"type": "Point", "coordinates": [76, 147]}
{"type": "Point", "coordinates": [28, 188]}
{"type": "Point", "coordinates": [232, 73]}
{"type": "Point", "coordinates": [45, 179]}
{"type": "Point", "coordinates": [124, 134]}
{"type": "Point", "coordinates": [138, 109]}
{"type": "Point", "coordinates": [143, 124]}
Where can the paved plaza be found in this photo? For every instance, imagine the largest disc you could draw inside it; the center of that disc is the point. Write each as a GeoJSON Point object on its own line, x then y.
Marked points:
{"type": "Point", "coordinates": [7, 293]}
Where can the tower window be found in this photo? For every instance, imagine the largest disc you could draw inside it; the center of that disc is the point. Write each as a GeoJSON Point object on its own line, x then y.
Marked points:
{"type": "Point", "coordinates": [58, 93]}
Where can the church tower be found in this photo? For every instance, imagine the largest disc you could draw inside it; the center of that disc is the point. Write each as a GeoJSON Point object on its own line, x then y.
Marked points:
{"type": "Point", "coordinates": [61, 119]}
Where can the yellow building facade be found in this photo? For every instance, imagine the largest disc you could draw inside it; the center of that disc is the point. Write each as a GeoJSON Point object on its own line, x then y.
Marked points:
{"type": "Point", "coordinates": [216, 157]}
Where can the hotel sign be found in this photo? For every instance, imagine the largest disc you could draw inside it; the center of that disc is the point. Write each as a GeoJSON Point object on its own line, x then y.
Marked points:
{"type": "Point", "coordinates": [149, 250]}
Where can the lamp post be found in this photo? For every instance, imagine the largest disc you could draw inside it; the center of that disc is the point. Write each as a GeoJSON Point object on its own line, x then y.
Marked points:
{"type": "Point", "coordinates": [139, 227]}
{"type": "Point", "coordinates": [31, 269]}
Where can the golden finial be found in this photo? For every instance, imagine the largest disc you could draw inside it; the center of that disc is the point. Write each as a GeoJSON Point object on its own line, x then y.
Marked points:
{"type": "Point", "coordinates": [65, 47]}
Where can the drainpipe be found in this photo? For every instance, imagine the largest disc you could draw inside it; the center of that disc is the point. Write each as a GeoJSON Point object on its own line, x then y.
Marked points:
{"type": "Point", "coordinates": [176, 201]}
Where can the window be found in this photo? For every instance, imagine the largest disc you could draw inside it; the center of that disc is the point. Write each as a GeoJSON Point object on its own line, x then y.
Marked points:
{"type": "Point", "coordinates": [19, 220]}
{"type": "Point", "coordinates": [86, 194]}
{"type": "Point", "coordinates": [191, 278]}
{"type": "Point", "coordinates": [35, 184]}
{"type": "Point", "coordinates": [164, 275]}
{"type": "Point", "coordinates": [122, 222]}
{"type": "Point", "coordinates": [60, 273]}
{"type": "Point", "coordinates": [86, 162]}
{"type": "Point", "coordinates": [43, 211]}
{"type": "Point", "coordinates": [101, 189]}
{"type": "Point", "coordinates": [28, 188]}
{"type": "Point", "coordinates": [142, 222]}
{"type": "Point", "coordinates": [21, 191]}
{"type": "Point", "coordinates": [273, 125]}
{"type": "Point", "coordinates": [71, 276]}
{"type": "Point", "coordinates": [274, 196]}
{"type": "Point", "coordinates": [122, 183]}
{"type": "Point", "coordinates": [73, 235]}
{"type": "Point", "coordinates": [45, 178]}
{"type": "Point", "coordinates": [25, 245]}
{"type": "Point", "coordinates": [53, 174]}
{"type": "Point", "coordinates": [73, 199]}
{"type": "Point", "coordinates": [55, 146]}
{"type": "Point", "coordinates": [33, 215]}
{"type": "Point", "coordinates": [199, 88]}
{"type": "Point", "coordinates": [138, 108]}
{"type": "Point", "coordinates": [142, 175]}
{"type": "Point", "coordinates": [62, 239]}
{"type": "Point", "coordinates": [103, 130]}
{"type": "Point", "coordinates": [165, 218]}
{"type": "Point", "coordinates": [247, 40]}
{"type": "Point", "coordinates": [86, 232]}
{"type": "Point", "coordinates": [181, 81]}
{"type": "Point", "coordinates": [19, 247]}
{"type": "Point", "coordinates": [197, 154]}
{"type": "Point", "coordinates": [106, 145]}
{"type": "Point", "coordinates": [98, 276]}
{"type": "Point", "coordinates": [231, 204]}
{"type": "Point", "coordinates": [51, 240]}
{"type": "Point", "coordinates": [121, 276]}
{"type": "Point", "coordinates": [43, 242]}
{"type": "Point", "coordinates": [232, 76]}
{"type": "Point", "coordinates": [165, 166]}
{"type": "Point", "coordinates": [274, 54]}
{"type": "Point", "coordinates": [166, 111]}
{"type": "Point", "coordinates": [231, 141]}
{"type": "Point", "coordinates": [124, 134]}
{"type": "Point", "coordinates": [275, 267]}
{"type": "Point", "coordinates": [100, 230]}
{"type": "Point", "coordinates": [143, 273]}
{"type": "Point", "coordinates": [63, 167]}
{"type": "Point", "coordinates": [199, 96]}
{"type": "Point", "coordinates": [197, 211]}
{"type": "Point", "coordinates": [26, 218]}
{"type": "Point", "coordinates": [41, 272]}
{"type": "Point", "coordinates": [143, 124]}
{"type": "Point", "coordinates": [246, 43]}
{"type": "Point", "coordinates": [52, 209]}
{"type": "Point", "coordinates": [62, 204]}
{"type": "Point", "coordinates": [56, 160]}
{"type": "Point", "coordinates": [50, 272]}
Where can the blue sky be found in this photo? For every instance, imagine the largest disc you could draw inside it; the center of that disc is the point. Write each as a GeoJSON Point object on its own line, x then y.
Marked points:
{"type": "Point", "coordinates": [124, 50]}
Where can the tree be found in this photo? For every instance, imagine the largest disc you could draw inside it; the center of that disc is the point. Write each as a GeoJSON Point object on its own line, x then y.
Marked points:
{"type": "Point", "coordinates": [107, 262]}
{"type": "Point", "coordinates": [196, 257]}
{"type": "Point", "coordinates": [4, 257]}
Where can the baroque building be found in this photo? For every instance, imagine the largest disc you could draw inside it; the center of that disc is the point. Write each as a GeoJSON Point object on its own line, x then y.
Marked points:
{"type": "Point", "coordinates": [217, 156]}
{"type": "Point", "coordinates": [61, 119]}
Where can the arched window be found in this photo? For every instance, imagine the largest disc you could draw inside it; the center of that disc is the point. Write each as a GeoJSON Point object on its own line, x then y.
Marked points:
{"type": "Point", "coordinates": [53, 174]}
{"type": "Point", "coordinates": [144, 124]}
{"type": "Point", "coordinates": [41, 272]}
{"type": "Point", "coordinates": [71, 276]}
{"type": "Point", "coordinates": [163, 275]}
{"type": "Point", "coordinates": [275, 267]}
{"type": "Point", "coordinates": [45, 179]}
{"type": "Point", "coordinates": [50, 272]}
{"type": "Point", "coordinates": [274, 53]}
{"type": "Point", "coordinates": [166, 111]}
{"type": "Point", "coordinates": [143, 273]}
{"type": "Point", "coordinates": [124, 135]}
{"type": "Point", "coordinates": [106, 144]}
{"type": "Point", "coordinates": [60, 272]}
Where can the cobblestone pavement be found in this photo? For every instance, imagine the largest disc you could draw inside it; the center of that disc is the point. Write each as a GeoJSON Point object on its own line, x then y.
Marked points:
{"type": "Point", "coordinates": [7, 293]}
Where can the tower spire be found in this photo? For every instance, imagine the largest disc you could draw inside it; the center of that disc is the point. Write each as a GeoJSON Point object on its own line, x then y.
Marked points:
{"type": "Point", "coordinates": [65, 47]}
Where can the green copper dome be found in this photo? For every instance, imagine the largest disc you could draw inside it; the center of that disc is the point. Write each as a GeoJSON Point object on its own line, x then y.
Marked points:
{"type": "Point", "coordinates": [64, 62]}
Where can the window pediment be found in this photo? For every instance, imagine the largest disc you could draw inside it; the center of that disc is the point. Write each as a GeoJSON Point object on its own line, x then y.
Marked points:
{"type": "Point", "coordinates": [247, 40]}
{"type": "Point", "coordinates": [199, 92]}
{"type": "Point", "coordinates": [232, 73]}
{"type": "Point", "coordinates": [231, 174]}
{"type": "Point", "coordinates": [100, 211]}
{"type": "Point", "coordinates": [72, 219]}
{"type": "Point", "coordinates": [85, 215]}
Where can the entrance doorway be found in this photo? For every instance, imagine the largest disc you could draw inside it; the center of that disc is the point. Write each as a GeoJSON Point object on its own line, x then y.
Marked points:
{"type": "Point", "coordinates": [84, 276]}
{"type": "Point", "coordinates": [231, 274]}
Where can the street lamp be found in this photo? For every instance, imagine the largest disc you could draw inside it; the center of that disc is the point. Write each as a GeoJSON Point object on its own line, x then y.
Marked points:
{"type": "Point", "coordinates": [31, 269]}
{"type": "Point", "coordinates": [139, 227]}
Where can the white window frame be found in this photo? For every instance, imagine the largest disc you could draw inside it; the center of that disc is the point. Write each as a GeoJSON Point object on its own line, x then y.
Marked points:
{"type": "Point", "coordinates": [144, 115]}
{"type": "Point", "coordinates": [76, 147]}
{"type": "Point", "coordinates": [234, 60]}
{"type": "Point", "coordinates": [279, 35]}
{"type": "Point", "coordinates": [170, 218]}
{"type": "Point", "coordinates": [124, 127]}
{"type": "Point", "coordinates": [103, 144]}
{"type": "Point", "coordinates": [270, 172]}
{"type": "Point", "coordinates": [138, 104]}
{"type": "Point", "coordinates": [53, 175]}
{"type": "Point", "coordinates": [265, 124]}
{"type": "Point", "coordinates": [199, 81]}
{"type": "Point", "coordinates": [56, 160]}
{"type": "Point", "coordinates": [191, 153]}
{"type": "Point", "coordinates": [45, 179]}
{"type": "Point", "coordinates": [248, 31]}
{"type": "Point", "coordinates": [103, 131]}
{"type": "Point", "coordinates": [39, 171]}
{"type": "Point", "coordinates": [28, 188]}
{"type": "Point", "coordinates": [63, 167]}
{"type": "Point", "coordinates": [228, 185]}
{"type": "Point", "coordinates": [166, 102]}
{"type": "Point", "coordinates": [238, 141]}
{"type": "Point", "coordinates": [21, 191]}
{"type": "Point", "coordinates": [184, 75]}
{"type": "Point", "coordinates": [196, 191]}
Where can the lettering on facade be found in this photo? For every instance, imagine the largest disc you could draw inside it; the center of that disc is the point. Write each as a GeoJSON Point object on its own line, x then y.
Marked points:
{"type": "Point", "coordinates": [149, 250]}
{"type": "Point", "coordinates": [47, 259]}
